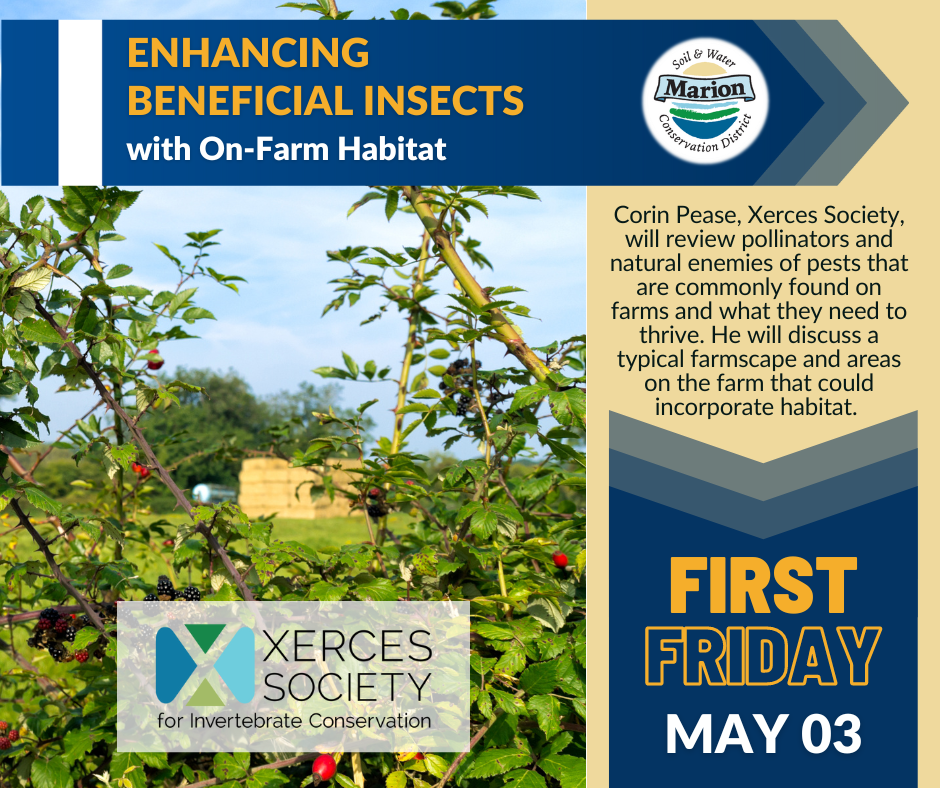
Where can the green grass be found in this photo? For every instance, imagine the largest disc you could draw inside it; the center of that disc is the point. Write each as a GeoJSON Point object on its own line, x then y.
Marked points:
{"type": "Point", "coordinates": [691, 114]}
{"type": "Point", "coordinates": [332, 533]}
{"type": "Point", "coordinates": [324, 535]}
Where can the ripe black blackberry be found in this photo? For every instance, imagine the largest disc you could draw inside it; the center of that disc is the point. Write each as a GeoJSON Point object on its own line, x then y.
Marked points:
{"type": "Point", "coordinates": [49, 614]}
{"type": "Point", "coordinates": [191, 594]}
{"type": "Point", "coordinates": [83, 621]}
{"type": "Point", "coordinates": [69, 634]}
{"type": "Point", "coordinates": [57, 652]}
{"type": "Point", "coordinates": [164, 586]}
{"type": "Point", "coordinates": [151, 603]}
{"type": "Point", "coordinates": [463, 405]}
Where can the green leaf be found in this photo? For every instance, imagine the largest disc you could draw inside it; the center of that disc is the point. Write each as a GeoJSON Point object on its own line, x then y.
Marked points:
{"type": "Point", "coordinates": [508, 702]}
{"type": "Point", "coordinates": [77, 743]}
{"type": "Point", "coordinates": [51, 774]}
{"type": "Point", "coordinates": [266, 778]}
{"type": "Point", "coordinates": [84, 638]}
{"type": "Point", "coordinates": [396, 780]}
{"type": "Point", "coordinates": [230, 765]}
{"type": "Point", "coordinates": [569, 770]}
{"type": "Point", "coordinates": [180, 298]}
{"type": "Point", "coordinates": [391, 197]}
{"type": "Point", "coordinates": [549, 611]}
{"type": "Point", "coordinates": [484, 523]}
{"type": "Point", "coordinates": [547, 710]}
{"type": "Point", "coordinates": [569, 406]}
{"type": "Point", "coordinates": [36, 330]}
{"type": "Point", "coordinates": [377, 589]}
{"type": "Point", "coordinates": [117, 271]}
{"type": "Point", "coordinates": [34, 280]}
{"type": "Point", "coordinates": [489, 763]}
{"type": "Point", "coordinates": [343, 780]}
{"type": "Point", "coordinates": [158, 760]}
{"type": "Point", "coordinates": [197, 313]}
{"type": "Point", "coordinates": [528, 395]}
{"type": "Point", "coordinates": [523, 778]}
{"type": "Point", "coordinates": [122, 761]}
{"type": "Point", "coordinates": [42, 500]}
{"type": "Point", "coordinates": [436, 764]}
{"type": "Point", "coordinates": [521, 191]}
{"type": "Point", "coordinates": [351, 365]}
{"type": "Point", "coordinates": [539, 678]}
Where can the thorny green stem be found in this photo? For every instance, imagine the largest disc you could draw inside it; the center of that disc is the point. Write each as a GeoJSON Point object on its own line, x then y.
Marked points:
{"type": "Point", "coordinates": [506, 332]}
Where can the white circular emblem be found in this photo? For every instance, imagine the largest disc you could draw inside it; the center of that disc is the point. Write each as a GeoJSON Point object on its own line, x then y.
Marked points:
{"type": "Point", "coordinates": [705, 101]}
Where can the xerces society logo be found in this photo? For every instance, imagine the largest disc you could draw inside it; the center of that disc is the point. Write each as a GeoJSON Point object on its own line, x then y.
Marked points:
{"type": "Point", "coordinates": [705, 101]}
{"type": "Point", "coordinates": [235, 665]}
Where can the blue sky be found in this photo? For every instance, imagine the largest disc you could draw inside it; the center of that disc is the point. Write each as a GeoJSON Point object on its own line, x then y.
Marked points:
{"type": "Point", "coordinates": [276, 238]}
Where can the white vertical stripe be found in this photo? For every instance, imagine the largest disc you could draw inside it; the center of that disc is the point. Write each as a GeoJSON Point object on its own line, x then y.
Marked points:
{"type": "Point", "coordinates": [80, 102]}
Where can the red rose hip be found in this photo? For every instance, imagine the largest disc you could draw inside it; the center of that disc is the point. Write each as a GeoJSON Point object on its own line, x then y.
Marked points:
{"type": "Point", "coordinates": [154, 364]}
{"type": "Point", "coordinates": [324, 767]}
{"type": "Point", "coordinates": [560, 559]}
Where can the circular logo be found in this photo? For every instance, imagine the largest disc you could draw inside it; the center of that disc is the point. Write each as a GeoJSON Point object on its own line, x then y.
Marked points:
{"type": "Point", "coordinates": [705, 101]}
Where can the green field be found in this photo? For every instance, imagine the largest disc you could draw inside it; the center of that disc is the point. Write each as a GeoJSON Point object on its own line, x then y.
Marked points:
{"type": "Point", "coordinates": [324, 535]}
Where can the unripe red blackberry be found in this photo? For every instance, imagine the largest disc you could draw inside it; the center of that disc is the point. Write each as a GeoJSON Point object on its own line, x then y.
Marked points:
{"type": "Point", "coordinates": [142, 471]}
{"type": "Point", "coordinates": [13, 735]}
{"type": "Point", "coordinates": [82, 655]}
{"type": "Point", "coordinates": [61, 625]}
{"type": "Point", "coordinates": [44, 623]}
{"type": "Point", "coordinates": [4, 743]}
{"type": "Point", "coordinates": [4, 725]}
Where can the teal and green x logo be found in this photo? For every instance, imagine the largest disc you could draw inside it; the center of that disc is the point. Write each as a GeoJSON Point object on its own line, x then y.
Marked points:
{"type": "Point", "coordinates": [235, 665]}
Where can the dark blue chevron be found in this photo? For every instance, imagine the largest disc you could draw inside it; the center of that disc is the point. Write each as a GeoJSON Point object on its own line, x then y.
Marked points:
{"type": "Point", "coordinates": [841, 103]}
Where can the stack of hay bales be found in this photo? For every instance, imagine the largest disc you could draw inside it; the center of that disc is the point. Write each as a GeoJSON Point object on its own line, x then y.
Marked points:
{"type": "Point", "coordinates": [268, 485]}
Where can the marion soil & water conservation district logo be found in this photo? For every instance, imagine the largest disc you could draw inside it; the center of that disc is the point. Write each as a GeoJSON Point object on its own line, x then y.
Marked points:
{"type": "Point", "coordinates": [705, 101]}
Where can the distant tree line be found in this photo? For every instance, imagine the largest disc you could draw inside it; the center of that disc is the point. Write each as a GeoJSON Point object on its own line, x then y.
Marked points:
{"type": "Point", "coordinates": [207, 437]}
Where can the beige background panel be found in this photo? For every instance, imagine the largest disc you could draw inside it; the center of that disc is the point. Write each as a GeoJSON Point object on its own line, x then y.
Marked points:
{"type": "Point", "coordinates": [900, 172]}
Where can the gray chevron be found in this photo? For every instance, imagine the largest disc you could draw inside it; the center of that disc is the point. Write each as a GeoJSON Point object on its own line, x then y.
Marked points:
{"type": "Point", "coordinates": [841, 103]}
{"type": "Point", "coordinates": [883, 103]}
{"type": "Point", "coordinates": [763, 480]}
{"type": "Point", "coordinates": [763, 519]}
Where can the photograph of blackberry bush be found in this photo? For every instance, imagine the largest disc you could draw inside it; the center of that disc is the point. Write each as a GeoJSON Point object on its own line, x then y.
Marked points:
{"type": "Point", "coordinates": [495, 514]}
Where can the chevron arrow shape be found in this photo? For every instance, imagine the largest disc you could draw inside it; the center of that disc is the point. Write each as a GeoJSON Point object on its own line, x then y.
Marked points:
{"type": "Point", "coordinates": [883, 103]}
{"type": "Point", "coordinates": [841, 103]}
{"type": "Point", "coordinates": [756, 498]}
{"type": "Point", "coordinates": [859, 103]}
